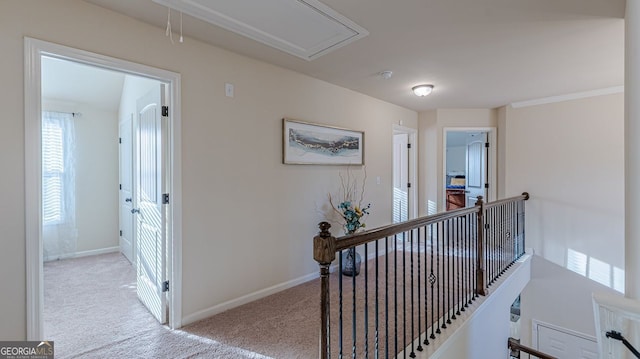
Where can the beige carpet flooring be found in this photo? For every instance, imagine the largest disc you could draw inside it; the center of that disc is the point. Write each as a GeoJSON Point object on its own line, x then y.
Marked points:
{"type": "Point", "coordinates": [91, 311]}
{"type": "Point", "coordinates": [286, 324]}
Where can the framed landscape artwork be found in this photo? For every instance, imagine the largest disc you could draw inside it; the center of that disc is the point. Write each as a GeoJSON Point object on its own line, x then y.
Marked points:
{"type": "Point", "coordinates": [312, 144]}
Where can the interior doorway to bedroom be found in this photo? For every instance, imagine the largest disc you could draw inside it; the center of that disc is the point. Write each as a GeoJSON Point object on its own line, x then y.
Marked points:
{"type": "Point", "coordinates": [91, 122]}
{"type": "Point", "coordinates": [77, 210]}
{"type": "Point", "coordinates": [469, 166]}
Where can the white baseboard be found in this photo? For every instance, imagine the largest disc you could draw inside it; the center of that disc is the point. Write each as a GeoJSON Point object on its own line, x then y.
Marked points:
{"type": "Point", "coordinates": [92, 252]}
{"type": "Point", "coordinates": [216, 309]}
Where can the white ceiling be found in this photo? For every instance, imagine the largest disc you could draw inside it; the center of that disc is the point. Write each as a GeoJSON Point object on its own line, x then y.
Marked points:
{"type": "Point", "coordinates": [458, 138]}
{"type": "Point", "coordinates": [477, 53]}
{"type": "Point", "coordinates": [72, 82]}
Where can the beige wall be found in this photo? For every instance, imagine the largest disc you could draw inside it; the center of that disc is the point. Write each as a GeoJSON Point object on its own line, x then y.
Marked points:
{"type": "Point", "coordinates": [431, 131]}
{"type": "Point", "coordinates": [502, 154]}
{"type": "Point", "coordinates": [428, 163]}
{"type": "Point", "coordinates": [569, 156]}
{"type": "Point", "coordinates": [248, 220]}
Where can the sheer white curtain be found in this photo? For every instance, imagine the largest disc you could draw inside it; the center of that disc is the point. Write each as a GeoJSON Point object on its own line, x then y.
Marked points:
{"type": "Point", "coordinates": [59, 232]}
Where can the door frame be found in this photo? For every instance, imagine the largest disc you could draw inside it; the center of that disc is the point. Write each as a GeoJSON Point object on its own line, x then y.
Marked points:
{"type": "Point", "coordinates": [34, 50]}
{"type": "Point", "coordinates": [133, 253]}
{"type": "Point", "coordinates": [413, 168]}
{"type": "Point", "coordinates": [492, 157]}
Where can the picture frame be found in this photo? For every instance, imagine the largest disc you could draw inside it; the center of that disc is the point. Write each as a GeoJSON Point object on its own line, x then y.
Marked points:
{"type": "Point", "coordinates": [307, 143]}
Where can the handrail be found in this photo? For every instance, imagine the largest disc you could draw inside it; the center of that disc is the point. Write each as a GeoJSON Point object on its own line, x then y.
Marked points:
{"type": "Point", "coordinates": [514, 344]}
{"type": "Point", "coordinates": [618, 336]}
{"type": "Point", "coordinates": [354, 240]}
{"type": "Point", "coordinates": [350, 241]}
{"type": "Point", "coordinates": [524, 196]}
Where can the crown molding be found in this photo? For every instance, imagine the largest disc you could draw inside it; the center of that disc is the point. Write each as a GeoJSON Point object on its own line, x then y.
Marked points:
{"type": "Point", "coordinates": [568, 97]}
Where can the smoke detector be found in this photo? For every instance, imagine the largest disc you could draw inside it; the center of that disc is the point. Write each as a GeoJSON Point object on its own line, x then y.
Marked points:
{"type": "Point", "coordinates": [386, 74]}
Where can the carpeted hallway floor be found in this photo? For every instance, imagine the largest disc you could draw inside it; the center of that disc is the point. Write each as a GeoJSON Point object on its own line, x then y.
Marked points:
{"type": "Point", "coordinates": [91, 311]}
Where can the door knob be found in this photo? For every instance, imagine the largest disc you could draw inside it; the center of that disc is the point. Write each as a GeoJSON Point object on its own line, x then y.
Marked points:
{"type": "Point", "coordinates": [127, 199]}
{"type": "Point", "coordinates": [135, 210]}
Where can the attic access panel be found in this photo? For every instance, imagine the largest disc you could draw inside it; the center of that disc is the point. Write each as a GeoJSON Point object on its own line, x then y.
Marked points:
{"type": "Point", "coordinates": [304, 28]}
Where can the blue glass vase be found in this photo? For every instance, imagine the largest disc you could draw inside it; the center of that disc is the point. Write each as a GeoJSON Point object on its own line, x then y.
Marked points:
{"type": "Point", "coordinates": [351, 261]}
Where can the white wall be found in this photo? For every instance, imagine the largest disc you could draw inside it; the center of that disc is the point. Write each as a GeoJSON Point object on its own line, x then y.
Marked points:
{"type": "Point", "coordinates": [96, 174]}
{"type": "Point", "coordinates": [559, 297]}
{"type": "Point", "coordinates": [456, 159]}
{"type": "Point", "coordinates": [248, 220]}
{"type": "Point", "coordinates": [133, 88]}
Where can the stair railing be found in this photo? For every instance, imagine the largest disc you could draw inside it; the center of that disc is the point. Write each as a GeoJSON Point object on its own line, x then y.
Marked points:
{"type": "Point", "coordinates": [515, 347]}
{"type": "Point", "coordinates": [418, 276]}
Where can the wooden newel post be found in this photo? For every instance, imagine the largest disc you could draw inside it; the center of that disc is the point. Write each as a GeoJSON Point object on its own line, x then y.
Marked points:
{"type": "Point", "coordinates": [481, 288]}
{"type": "Point", "coordinates": [324, 252]}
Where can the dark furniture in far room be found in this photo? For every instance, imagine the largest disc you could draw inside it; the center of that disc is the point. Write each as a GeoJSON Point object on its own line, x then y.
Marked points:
{"type": "Point", "coordinates": [455, 199]}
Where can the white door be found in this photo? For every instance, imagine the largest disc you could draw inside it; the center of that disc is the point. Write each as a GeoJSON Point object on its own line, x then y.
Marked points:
{"type": "Point", "coordinates": [565, 345]}
{"type": "Point", "coordinates": [126, 190]}
{"type": "Point", "coordinates": [476, 176]}
{"type": "Point", "coordinates": [400, 177]}
{"type": "Point", "coordinates": [150, 212]}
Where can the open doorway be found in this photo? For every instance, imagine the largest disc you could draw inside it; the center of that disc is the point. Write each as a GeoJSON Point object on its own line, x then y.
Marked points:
{"type": "Point", "coordinates": [469, 166]}
{"type": "Point", "coordinates": [79, 159]}
{"type": "Point", "coordinates": [70, 208]}
{"type": "Point", "coordinates": [404, 172]}
{"type": "Point", "coordinates": [82, 107]}
{"type": "Point", "coordinates": [82, 154]}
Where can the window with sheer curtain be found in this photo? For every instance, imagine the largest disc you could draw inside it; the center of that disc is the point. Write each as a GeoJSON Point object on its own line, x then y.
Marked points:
{"type": "Point", "coordinates": [58, 184]}
{"type": "Point", "coordinates": [52, 171]}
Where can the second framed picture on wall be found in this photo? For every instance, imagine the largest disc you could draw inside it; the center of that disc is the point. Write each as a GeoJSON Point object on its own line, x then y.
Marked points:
{"type": "Point", "coordinates": [313, 144]}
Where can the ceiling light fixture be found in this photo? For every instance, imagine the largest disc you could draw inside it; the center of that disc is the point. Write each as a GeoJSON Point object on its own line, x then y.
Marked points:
{"type": "Point", "coordinates": [422, 90]}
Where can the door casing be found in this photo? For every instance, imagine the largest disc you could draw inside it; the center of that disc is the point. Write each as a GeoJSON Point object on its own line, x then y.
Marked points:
{"type": "Point", "coordinates": [472, 194]}
{"type": "Point", "coordinates": [125, 195]}
{"type": "Point", "coordinates": [34, 50]}
{"type": "Point", "coordinates": [492, 157]}
{"type": "Point", "coordinates": [413, 168]}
